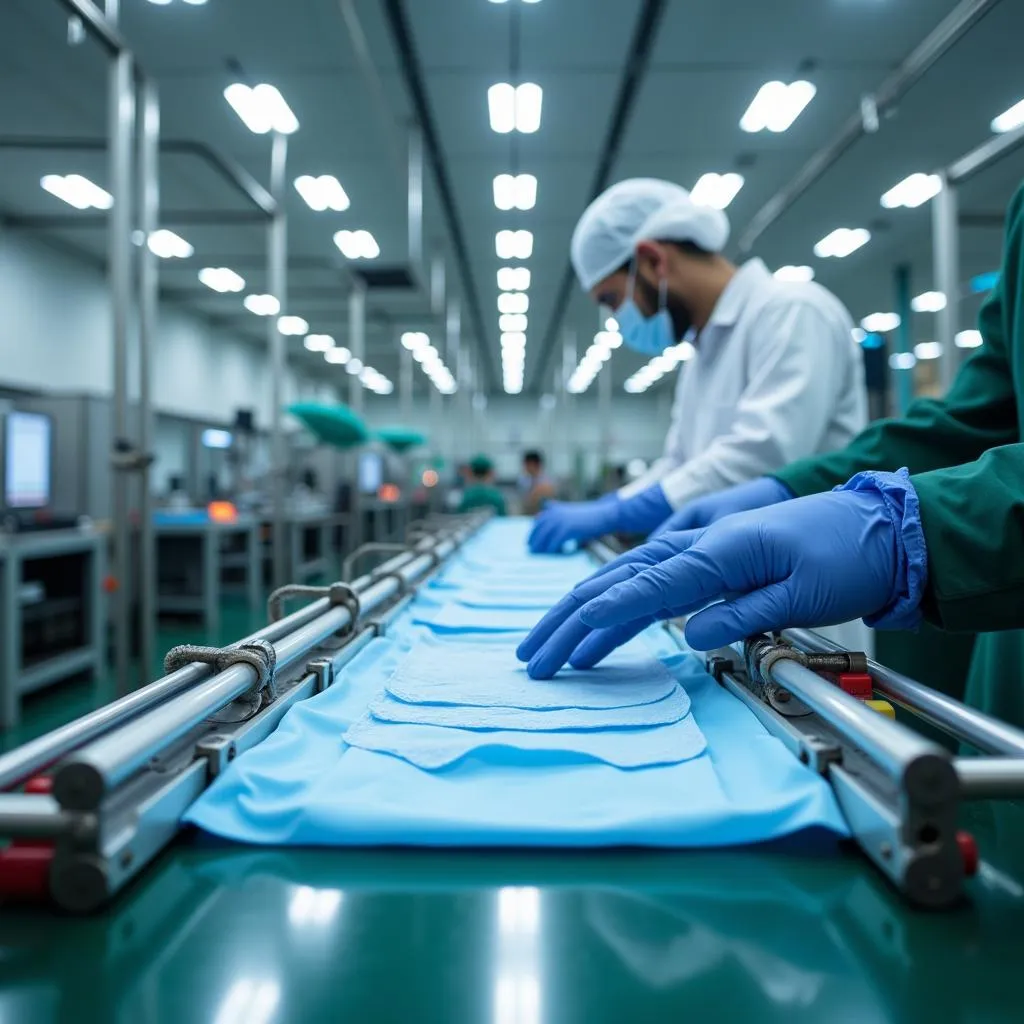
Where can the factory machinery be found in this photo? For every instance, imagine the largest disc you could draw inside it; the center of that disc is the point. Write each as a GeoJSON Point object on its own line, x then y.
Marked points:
{"type": "Point", "coordinates": [88, 806]}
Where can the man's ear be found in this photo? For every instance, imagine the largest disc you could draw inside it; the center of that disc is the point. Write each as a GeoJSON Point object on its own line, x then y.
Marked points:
{"type": "Point", "coordinates": [652, 256]}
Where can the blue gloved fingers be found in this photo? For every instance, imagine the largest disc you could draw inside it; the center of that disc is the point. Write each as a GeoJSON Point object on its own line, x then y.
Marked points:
{"type": "Point", "coordinates": [684, 519]}
{"type": "Point", "coordinates": [557, 648]}
{"type": "Point", "coordinates": [568, 606]}
{"type": "Point", "coordinates": [644, 554]}
{"type": "Point", "coordinates": [760, 611]}
{"type": "Point", "coordinates": [543, 535]}
{"type": "Point", "coordinates": [601, 642]}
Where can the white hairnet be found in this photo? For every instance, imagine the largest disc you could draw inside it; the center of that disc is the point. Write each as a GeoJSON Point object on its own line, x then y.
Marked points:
{"type": "Point", "coordinates": [638, 209]}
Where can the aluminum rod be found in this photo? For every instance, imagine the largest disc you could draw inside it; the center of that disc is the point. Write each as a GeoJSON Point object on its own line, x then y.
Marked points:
{"type": "Point", "coordinates": [896, 749]}
{"type": "Point", "coordinates": [946, 275]}
{"type": "Point", "coordinates": [122, 123]}
{"type": "Point", "coordinates": [100, 24]}
{"type": "Point", "coordinates": [985, 155]}
{"type": "Point", "coordinates": [986, 778]}
{"type": "Point", "coordinates": [149, 288]}
{"type": "Point", "coordinates": [82, 781]}
{"type": "Point", "coordinates": [31, 816]}
{"type": "Point", "coordinates": [966, 724]}
{"type": "Point", "coordinates": [19, 765]}
{"type": "Point", "coordinates": [357, 340]}
{"type": "Point", "coordinates": [277, 276]}
{"type": "Point", "coordinates": [415, 198]}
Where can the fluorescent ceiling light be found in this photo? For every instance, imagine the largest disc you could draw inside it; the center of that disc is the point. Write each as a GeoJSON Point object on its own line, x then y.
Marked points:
{"type": "Point", "coordinates": [791, 273]}
{"type": "Point", "coordinates": [902, 360]}
{"type": "Point", "coordinates": [717, 190]}
{"type": "Point", "coordinates": [608, 340]}
{"type": "Point", "coordinates": [354, 367]}
{"type": "Point", "coordinates": [842, 242]}
{"type": "Point", "coordinates": [357, 245]}
{"type": "Point", "coordinates": [776, 106]}
{"type": "Point", "coordinates": [912, 191]}
{"type": "Point", "coordinates": [969, 339]}
{"type": "Point", "coordinates": [514, 245]}
{"type": "Point", "coordinates": [339, 356]}
{"type": "Point", "coordinates": [77, 191]}
{"type": "Point", "coordinates": [514, 323]}
{"type": "Point", "coordinates": [611, 324]}
{"type": "Point", "coordinates": [513, 279]}
{"type": "Point", "coordinates": [1009, 119]}
{"type": "Point", "coordinates": [858, 334]}
{"type": "Point", "coordinates": [513, 302]}
{"type": "Point", "coordinates": [323, 193]}
{"type": "Point", "coordinates": [318, 342]}
{"type": "Point", "coordinates": [513, 339]}
{"type": "Point", "coordinates": [221, 279]}
{"type": "Point", "coordinates": [292, 326]}
{"type": "Point", "coordinates": [424, 353]}
{"type": "Point", "coordinates": [515, 191]}
{"type": "Point", "coordinates": [262, 305]}
{"type": "Point", "coordinates": [880, 323]}
{"type": "Point", "coordinates": [685, 351]}
{"type": "Point", "coordinates": [928, 302]}
{"type": "Point", "coordinates": [515, 108]}
{"type": "Point", "coordinates": [928, 350]}
{"type": "Point", "coordinates": [262, 109]}
{"type": "Point", "coordinates": [167, 245]}
{"type": "Point", "coordinates": [415, 340]}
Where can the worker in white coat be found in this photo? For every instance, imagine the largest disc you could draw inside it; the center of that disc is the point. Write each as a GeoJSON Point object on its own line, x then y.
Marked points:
{"type": "Point", "coordinates": [769, 370]}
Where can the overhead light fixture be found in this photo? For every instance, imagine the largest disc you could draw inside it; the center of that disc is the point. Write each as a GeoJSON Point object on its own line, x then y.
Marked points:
{"type": "Point", "coordinates": [969, 339]}
{"type": "Point", "coordinates": [338, 356]}
{"type": "Point", "coordinates": [776, 106]}
{"type": "Point", "coordinates": [513, 323]}
{"type": "Point", "coordinates": [515, 108]}
{"type": "Point", "coordinates": [515, 191]}
{"type": "Point", "coordinates": [167, 245]}
{"type": "Point", "coordinates": [513, 339]}
{"type": "Point", "coordinates": [262, 305]}
{"type": "Point", "coordinates": [608, 340]}
{"type": "Point", "coordinates": [880, 323]}
{"type": "Point", "coordinates": [318, 342]}
{"type": "Point", "coordinates": [357, 245]}
{"type": "Point", "coordinates": [928, 302]}
{"type": "Point", "coordinates": [77, 191]}
{"type": "Point", "coordinates": [292, 326]}
{"type": "Point", "coordinates": [717, 190]}
{"type": "Point", "coordinates": [902, 360]}
{"type": "Point", "coordinates": [323, 193]}
{"type": "Point", "coordinates": [800, 274]}
{"type": "Point", "coordinates": [412, 341]}
{"type": "Point", "coordinates": [513, 302]}
{"type": "Point", "coordinates": [928, 350]}
{"type": "Point", "coordinates": [354, 367]}
{"type": "Point", "coordinates": [1009, 119]}
{"type": "Point", "coordinates": [513, 279]}
{"type": "Point", "coordinates": [842, 242]}
{"type": "Point", "coordinates": [611, 324]}
{"type": "Point", "coordinates": [514, 245]}
{"type": "Point", "coordinates": [262, 108]}
{"type": "Point", "coordinates": [912, 191]}
{"type": "Point", "coordinates": [221, 279]}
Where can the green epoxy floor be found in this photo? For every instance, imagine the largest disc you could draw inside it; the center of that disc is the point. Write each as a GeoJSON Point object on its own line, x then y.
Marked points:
{"type": "Point", "coordinates": [230, 935]}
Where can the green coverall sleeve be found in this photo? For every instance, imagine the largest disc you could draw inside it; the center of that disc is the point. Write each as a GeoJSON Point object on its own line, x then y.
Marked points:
{"type": "Point", "coordinates": [980, 411]}
{"type": "Point", "coordinates": [973, 520]}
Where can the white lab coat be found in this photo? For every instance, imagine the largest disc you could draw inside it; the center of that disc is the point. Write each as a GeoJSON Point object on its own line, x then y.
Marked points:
{"type": "Point", "coordinates": [776, 377]}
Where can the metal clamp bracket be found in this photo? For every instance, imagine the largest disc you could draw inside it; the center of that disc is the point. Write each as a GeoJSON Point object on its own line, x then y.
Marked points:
{"type": "Point", "coordinates": [257, 654]}
{"type": "Point", "coordinates": [339, 594]}
{"type": "Point", "coordinates": [370, 549]}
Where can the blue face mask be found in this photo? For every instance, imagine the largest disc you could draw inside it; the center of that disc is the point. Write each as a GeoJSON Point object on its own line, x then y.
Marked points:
{"type": "Point", "coordinates": [648, 335]}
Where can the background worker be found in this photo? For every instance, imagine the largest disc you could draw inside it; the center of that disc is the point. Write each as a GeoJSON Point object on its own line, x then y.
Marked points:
{"type": "Point", "coordinates": [535, 487]}
{"type": "Point", "coordinates": [480, 491]}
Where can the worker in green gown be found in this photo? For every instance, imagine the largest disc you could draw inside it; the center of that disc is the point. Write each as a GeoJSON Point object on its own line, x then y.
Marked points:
{"type": "Point", "coordinates": [941, 542]}
{"type": "Point", "coordinates": [480, 491]}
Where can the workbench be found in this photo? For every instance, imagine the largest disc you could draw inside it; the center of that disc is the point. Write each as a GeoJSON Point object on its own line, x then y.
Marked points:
{"type": "Point", "coordinates": [51, 582]}
{"type": "Point", "coordinates": [195, 561]}
{"type": "Point", "coordinates": [310, 545]}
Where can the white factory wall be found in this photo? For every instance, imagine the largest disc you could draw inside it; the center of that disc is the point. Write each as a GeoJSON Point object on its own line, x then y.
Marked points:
{"type": "Point", "coordinates": [55, 336]}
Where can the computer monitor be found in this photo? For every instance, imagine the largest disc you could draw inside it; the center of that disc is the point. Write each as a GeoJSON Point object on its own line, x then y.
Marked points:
{"type": "Point", "coordinates": [371, 472]}
{"type": "Point", "coordinates": [28, 444]}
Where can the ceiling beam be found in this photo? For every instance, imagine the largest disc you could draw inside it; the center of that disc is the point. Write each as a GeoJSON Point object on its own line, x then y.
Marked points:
{"type": "Point", "coordinates": [412, 74]}
{"type": "Point", "coordinates": [645, 35]}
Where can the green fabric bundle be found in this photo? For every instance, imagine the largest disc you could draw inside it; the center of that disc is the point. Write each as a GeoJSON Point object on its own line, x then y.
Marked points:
{"type": "Point", "coordinates": [400, 439]}
{"type": "Point", "coordinates": [335, 425]}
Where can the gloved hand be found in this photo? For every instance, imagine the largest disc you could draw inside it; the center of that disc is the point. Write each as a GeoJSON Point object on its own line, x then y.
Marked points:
{"type": "Point", "coordinates": [704, 511]}
{"type": "Point", "coordinates": [815, 561]}
{"type": "Point", "coordinates": [563, 521]}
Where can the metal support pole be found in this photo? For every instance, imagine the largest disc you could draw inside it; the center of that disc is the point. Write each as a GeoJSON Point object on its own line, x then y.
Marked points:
{"type": "Point", "coordinates": [946, 261]}
{"type": "Point", "coordinates": [149, 219]}
{"type": "Point", "coordinates": [604, 411]}
{"type": "Point", "coordinates": [990, 778]}
{"type": "Point", "coordinates": [277, 277]}
{"type": "Point", "coordinates": [122, 124]}
{"type": "Point", "coordinates": [452, 336]}
{"type": "Point", "coordinates": [438, 284]}
{"type": "Point", "coordinates": [357, 340]}
{"type": "Point", "coordinates": [405, 385]}
{"type": "Point", "coordinates": [415, 196]}
{"type": "Point", "coordinates": [904, 337]}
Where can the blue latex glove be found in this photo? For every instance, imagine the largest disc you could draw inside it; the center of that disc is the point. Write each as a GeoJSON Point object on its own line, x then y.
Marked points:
{"type": "Point", "coordinates": [815, 561]}
{"type": "Point", "coordinates": [562, 521]}
{"type": "Point", "coordinates": [700, 512]}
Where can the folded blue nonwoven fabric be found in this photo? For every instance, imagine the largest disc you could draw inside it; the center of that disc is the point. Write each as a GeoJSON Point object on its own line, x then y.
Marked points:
{"type": "Point", "coordinates": [671, 709]}
{"type": "Point", "coordinates": [491, 676]}
{"type": "Point", "coordinates": [454, 618]}
{"type": "Point", "coordinates": [434, 747]}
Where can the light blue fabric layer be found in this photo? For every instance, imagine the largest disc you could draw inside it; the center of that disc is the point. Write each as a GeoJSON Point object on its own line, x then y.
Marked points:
{"type": "Point", "coordinates": [432, 747]}
{"type": "Point", "coordinates": [456, 618]}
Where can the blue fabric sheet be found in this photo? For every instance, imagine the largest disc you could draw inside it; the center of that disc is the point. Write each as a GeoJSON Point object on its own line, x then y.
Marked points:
{"type": "Point", "coordinates": [304, 785]}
